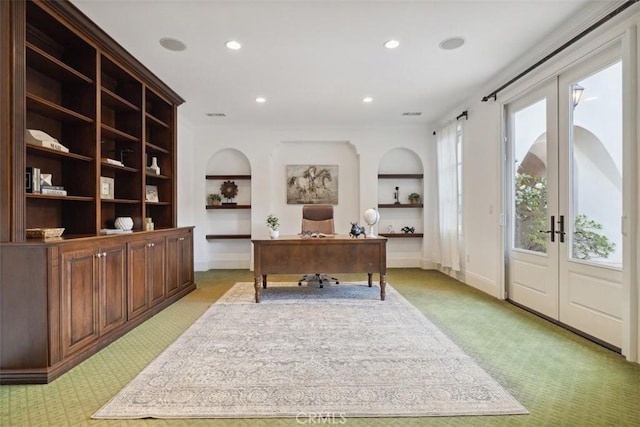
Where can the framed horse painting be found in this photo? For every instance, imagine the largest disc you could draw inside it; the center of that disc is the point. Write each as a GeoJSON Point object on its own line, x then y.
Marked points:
{"type": "Point", "coordinates": [312, 184]}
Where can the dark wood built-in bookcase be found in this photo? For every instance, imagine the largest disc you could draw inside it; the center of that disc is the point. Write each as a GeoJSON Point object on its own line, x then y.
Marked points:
{"type": "Point", "coordinates": [62, 300]}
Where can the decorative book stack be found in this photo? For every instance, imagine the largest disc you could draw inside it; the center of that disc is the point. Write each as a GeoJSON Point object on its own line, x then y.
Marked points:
{"type": "Point", "coordinates": [38, 182]}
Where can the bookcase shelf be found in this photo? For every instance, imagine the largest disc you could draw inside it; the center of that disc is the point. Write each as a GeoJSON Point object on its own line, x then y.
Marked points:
{"type": "Point", "coordinates": [53, 110]}
{"type": "Point", "coordinates": [116, 102]}
{"type": "Point", "coordinates": [47, 64]}
{"type": "Point", "coordinates": [65, 299]}
{"type": "Point", "coordinates": [50, 152]}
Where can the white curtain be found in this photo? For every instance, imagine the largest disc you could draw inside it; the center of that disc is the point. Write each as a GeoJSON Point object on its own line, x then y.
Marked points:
{"type": "Point", "coordinates": [448, 196]}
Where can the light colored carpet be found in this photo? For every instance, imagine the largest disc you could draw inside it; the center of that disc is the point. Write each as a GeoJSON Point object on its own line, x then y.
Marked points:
{"type": "Point", "coordinates": [336, 352]}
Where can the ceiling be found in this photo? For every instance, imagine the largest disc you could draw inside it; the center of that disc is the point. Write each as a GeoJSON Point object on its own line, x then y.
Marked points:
{"type": "Point", "coordinates": [315, 61]}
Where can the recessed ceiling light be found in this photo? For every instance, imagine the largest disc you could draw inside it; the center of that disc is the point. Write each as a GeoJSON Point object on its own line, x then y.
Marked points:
{"type": "Point", "coordinates": [233, 45]}
{"type": "Point", "coordinates": [216, 115]}
{"type": "Point", "coordinates": [367, 99]}
{"type": "Point", "coordinates": [261, 100]}
{"type": "Point", "coordinates": [172, 44]}
{"type": "Point", "coordinates": [451, 43]}
{"type": "Point", "coordinates": [412, 113]}
{"type": "Point", "coordinates": [391, 44]}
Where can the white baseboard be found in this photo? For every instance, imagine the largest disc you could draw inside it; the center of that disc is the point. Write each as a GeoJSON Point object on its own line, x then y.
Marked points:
{"type": "Point", "coordinates": [403, 262]}
{"type": "Point", "coordinates": [221, 265]}
{"type": "Point", "coordinates": [482, 283]}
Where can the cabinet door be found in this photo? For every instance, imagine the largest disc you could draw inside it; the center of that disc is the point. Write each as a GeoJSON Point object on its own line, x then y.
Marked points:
{"type": "Point", "coordinates": [79, 294]}
{"type": "Point", "coordinates": [179, 261]}
{"type": "Point", "coordinates": [155, 270]}
{"type": "Point", "coordinates": [138, 297]}
{"type": "Point", "coordinates": [185, 270]}
{"type": "Point", "coordinates": [113, 309]}
{"type": "Point", "coordinates": [173, 264]}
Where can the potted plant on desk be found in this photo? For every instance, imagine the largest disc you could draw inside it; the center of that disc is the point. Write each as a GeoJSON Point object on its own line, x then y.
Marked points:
{"type": "Point", "coordinates": [273, 222]}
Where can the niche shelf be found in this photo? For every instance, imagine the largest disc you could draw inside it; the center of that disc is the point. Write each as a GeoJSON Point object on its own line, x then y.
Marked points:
{"type": "Point", "coordinates": [222, 206]}
{"type": "Point", "coordinates": [405, 177]}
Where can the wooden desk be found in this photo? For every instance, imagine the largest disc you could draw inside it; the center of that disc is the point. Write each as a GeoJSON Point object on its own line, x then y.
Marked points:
{"type": "Point", "coordinates": [333, 254]}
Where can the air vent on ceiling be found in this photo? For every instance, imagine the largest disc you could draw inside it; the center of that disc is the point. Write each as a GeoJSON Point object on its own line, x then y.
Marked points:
{"type": "Point", "coordinates": [412, 113]}
{"type": "Point", "coordinates": [216, 115]}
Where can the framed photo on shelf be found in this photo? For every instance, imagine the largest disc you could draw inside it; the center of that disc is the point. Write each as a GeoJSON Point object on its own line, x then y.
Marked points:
{"type": "Point", "coordinates": [106, 187]}
{"type": "Point", "coordinates": [151, 193]}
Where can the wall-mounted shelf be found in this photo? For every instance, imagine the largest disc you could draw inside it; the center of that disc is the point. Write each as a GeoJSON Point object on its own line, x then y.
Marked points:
{"type": "Point", "coordinates": [228, 206]}
{"type": "Point", "coordinates": [401, 206]}
{"type": "Point", "coordinates": [400, 176]}
{"type": "Point", "coordinates": [408, 213]}
{"type": "Point", "coordinates": [228, 236]}
{"type": "Point", "coordinates": [228, 177]}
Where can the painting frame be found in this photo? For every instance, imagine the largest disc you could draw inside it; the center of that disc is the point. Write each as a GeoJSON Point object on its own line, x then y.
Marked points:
{"type": "Point", "coordinates": [312, 184]}
{"type": "Point", "coordinates": [106, 188]}
{"type": "Point", "coordinates": [151, 194]}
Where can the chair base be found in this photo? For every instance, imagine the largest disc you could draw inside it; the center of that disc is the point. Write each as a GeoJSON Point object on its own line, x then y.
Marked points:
{"type": "Point", "coordinates": [319, 278]}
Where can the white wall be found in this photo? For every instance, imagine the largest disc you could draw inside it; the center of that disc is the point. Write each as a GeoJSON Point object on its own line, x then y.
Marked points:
{"type": "Point", "coordinates": [357, 152]}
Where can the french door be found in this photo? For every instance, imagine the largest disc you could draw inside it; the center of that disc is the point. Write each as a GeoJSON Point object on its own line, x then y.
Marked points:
{"type": "Point", "coordinates": [564, 172]}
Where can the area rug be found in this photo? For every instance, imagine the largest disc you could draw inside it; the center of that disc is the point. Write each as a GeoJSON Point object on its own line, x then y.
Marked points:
{"type": "Point", "coordinates": [335, 352]}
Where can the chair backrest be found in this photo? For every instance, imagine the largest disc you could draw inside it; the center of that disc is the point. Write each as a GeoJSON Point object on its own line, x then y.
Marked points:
{"type": "Point", "coordinates": [318, 218]}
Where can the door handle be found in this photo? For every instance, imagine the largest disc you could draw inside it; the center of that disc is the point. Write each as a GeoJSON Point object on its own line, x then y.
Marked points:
{"type": "Point", "coordinates": [552, 232]}
{"type": "Point", "coordinates": [560, 230]}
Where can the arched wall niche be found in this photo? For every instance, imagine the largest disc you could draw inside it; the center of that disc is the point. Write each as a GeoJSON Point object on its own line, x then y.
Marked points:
{"type": "Point", "coordinates": [400, 159]}
{"type": "Point", "coordinates": [397, 179]}
{"type": "Point", "coordinates": [228, 161]}
{"type": "Point", "coordinates": [224, 163]}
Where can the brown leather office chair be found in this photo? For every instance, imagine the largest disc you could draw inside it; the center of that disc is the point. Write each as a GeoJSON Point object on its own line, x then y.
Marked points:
{"type": "Point", "coordinates": [317, 219]}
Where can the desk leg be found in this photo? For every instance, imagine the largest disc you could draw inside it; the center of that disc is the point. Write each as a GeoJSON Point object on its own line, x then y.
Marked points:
{"type": "Point", "coordinates": [256, 285]}
{"type": "Point", "coordinates": [383, 286]}
{"type": "Point", "coordinates": [264, 281]}
{"type": "Point", "coordinates": [370, 281]}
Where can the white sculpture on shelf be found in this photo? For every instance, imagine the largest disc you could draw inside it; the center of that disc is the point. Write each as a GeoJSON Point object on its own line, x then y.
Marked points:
{"type": "Point", "coordinates": [371, 217]}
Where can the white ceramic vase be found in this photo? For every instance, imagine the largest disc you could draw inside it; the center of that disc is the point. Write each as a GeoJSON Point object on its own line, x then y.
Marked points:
{"type": "Point", "coordinates": [274, 234]}
{"type": "Point", "coordinates": [124, 223]}
{"type": "Point", "coordinates": [154, 165]}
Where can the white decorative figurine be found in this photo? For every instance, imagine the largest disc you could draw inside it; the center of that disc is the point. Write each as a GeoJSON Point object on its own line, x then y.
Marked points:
{"type": "Point", "coordinates": [371, 217]}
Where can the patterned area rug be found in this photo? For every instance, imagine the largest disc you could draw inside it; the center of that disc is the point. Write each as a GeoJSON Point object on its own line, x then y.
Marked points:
{"type": "Point", "coordinates": [336, 352]}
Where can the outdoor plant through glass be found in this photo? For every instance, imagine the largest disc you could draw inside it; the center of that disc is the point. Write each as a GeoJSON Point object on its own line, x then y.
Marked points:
{"type": "Point", "coordinates": [531, 213]}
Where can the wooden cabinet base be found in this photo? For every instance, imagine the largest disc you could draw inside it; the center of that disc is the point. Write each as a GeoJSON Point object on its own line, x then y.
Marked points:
{"type": "Point", "coordinates": [61, 302]}
{"type": "Point", "coordinates": [46, 375]}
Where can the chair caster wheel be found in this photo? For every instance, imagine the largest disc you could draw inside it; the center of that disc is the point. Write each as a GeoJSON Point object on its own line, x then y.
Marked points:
{"type": "Point", "coordinates": [299, 284]}
{"type": "Point", "coordinates": [337, 282]}
{"type": "Point", "coordinates": [321, 286]}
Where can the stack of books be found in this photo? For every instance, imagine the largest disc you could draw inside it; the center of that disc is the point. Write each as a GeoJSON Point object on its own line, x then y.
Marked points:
{"type": "Point", "coordinates": [37, 182]}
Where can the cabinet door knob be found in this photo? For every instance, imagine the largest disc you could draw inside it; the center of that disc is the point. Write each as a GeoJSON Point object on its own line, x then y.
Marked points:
{"type": "Point", "coordinates": [181, 239]}
{"type": "Point", "coordinates": [104, 254]}
{"type": "Point", "coordinates": [98, 255]}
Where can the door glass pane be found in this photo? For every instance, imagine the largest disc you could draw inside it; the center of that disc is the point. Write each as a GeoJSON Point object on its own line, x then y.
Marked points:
{"type": "Point", "coordinates": [529, 136]}
{"type": "Point", "coordinates": [596, 167]}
